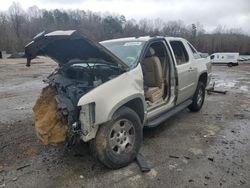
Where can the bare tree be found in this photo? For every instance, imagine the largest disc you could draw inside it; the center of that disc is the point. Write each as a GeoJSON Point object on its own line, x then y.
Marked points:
{"type": "Point", "coordinates": [16, 13]}
{"type": "Point", "coordinates": [17, 27]}
{"type": "Point", "coordinates": [34, 13]}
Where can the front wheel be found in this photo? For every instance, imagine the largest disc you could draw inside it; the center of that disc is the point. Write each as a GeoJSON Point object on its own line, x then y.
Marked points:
{"type": "Point", "coordinates": [118, 141]}
{"type": "Point", "coordinates": [198, 98]}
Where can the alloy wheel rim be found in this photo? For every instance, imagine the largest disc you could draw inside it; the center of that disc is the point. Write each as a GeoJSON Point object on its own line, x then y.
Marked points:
{"type": "Point", "coordinates": [122, 136]}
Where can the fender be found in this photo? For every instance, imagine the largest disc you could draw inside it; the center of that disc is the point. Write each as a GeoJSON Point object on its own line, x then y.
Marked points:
{"type": "Point", "coordinates": [203, 66]}
{"type": "Point", "coordinates": [126, 100]}
{"type": "Point", "coordinates": [109, 96]}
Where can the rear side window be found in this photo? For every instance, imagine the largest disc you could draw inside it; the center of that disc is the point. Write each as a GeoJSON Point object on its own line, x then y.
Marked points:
{"type": "Point", "coordinates": [194, 51]}
{"type": "Point", "coordinates": [212, 57]}
{"type": "Point", "coordinates": [180, 52]}
{"type": "Point", "coordinates": [192, 48]}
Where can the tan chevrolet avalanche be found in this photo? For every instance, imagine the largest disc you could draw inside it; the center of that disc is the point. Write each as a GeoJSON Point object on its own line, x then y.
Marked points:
{"type": "Point", "coordinates": [109, 91]}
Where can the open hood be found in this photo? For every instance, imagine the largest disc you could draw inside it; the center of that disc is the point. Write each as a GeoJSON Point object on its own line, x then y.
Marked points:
{"type": "Point", "coordinates": [63, 46]}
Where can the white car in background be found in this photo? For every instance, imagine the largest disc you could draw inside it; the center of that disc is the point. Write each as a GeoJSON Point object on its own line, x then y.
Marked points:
{"type": "Point", "coordinates": [230, 59]}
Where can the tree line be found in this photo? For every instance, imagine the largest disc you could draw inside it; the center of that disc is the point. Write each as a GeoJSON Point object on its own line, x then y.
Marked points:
{"type": "Point", "coordinates": [18, 27]}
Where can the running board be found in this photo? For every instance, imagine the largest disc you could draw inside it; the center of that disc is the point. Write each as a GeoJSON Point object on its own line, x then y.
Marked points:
{"type": "Point", "coordinates": [166, 115]}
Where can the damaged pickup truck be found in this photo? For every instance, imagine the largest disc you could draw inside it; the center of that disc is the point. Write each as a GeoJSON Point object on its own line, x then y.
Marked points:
{"type": "Point", "coordinates": [106, 93]}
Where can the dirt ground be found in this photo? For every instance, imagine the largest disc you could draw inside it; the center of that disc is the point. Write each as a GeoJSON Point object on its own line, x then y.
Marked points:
{"type": "Point", "coordinates": [210, 148]}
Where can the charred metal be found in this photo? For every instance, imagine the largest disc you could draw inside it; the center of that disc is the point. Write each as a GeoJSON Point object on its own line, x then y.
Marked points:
{"type": "Point", "coordinates": [72, 82]}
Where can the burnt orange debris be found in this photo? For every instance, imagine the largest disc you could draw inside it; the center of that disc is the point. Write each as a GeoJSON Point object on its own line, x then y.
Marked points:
{"type": "Point", "coordinates": [50, 123]}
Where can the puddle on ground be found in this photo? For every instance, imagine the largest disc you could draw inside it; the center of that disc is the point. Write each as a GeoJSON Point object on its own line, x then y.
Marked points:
{"type": "Point", "coordinates": [231, 85]}
{"type": "Point", "coordinates": [196, 151]}
{"type": "Point", "coordinates": [244, 88]}
{"type": "Point", "coordinates": [210, 130]}
{"type": "Point", "coordinates": [225, 84]}
{"type": "Point", "coordinates": [152, 173]}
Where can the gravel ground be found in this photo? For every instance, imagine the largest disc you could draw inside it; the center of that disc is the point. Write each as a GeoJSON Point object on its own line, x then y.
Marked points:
{"type": "Point", "coordinates": [210, 148]}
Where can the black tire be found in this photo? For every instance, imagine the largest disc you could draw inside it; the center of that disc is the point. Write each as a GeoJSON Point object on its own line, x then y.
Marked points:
{"type": "Point", "coordinates": [197, 101]}
{"type": "Point", "coordinates": [230, 64]}
{"type": "Point", "coordinates": [125, 125]}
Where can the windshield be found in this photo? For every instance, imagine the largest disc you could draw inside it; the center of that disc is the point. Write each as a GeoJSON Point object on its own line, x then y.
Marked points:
{"type": "Point", "coordinates": [127, 51]}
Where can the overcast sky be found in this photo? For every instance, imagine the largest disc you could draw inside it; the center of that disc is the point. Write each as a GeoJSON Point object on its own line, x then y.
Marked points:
{"type": "Point", "coordinates": [210, 13]}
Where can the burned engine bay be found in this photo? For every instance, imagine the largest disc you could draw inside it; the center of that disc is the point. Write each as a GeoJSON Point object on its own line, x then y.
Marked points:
{"type": "Point", "coordinates": [73, 81]}
{"type": "Point", "coordinates": [68, 83]}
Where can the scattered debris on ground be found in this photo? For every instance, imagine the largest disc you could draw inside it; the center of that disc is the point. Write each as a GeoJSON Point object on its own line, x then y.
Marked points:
{"type": "Point", "coordinates": [173, 156]}
{"type": "Point", "coordinates": [142, 163]}
{"type": "Point", "coordinates": [23, 166]}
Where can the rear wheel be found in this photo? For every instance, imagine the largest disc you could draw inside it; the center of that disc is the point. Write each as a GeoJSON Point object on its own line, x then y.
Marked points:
{"type": "Point", "coordinates": [198, 98]}
{"type": "Point", "coordinates": [230, 64]}
{"type": "Point", "coordinates": [117, 142]}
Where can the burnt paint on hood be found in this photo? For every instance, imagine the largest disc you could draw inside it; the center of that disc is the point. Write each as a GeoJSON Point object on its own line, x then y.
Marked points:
{"type": "Point", "coordinates": [63, 46]}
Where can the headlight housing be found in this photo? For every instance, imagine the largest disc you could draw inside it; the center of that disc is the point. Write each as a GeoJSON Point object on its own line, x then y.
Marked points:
{"type": "Point", "coordinates": [87, 117]}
